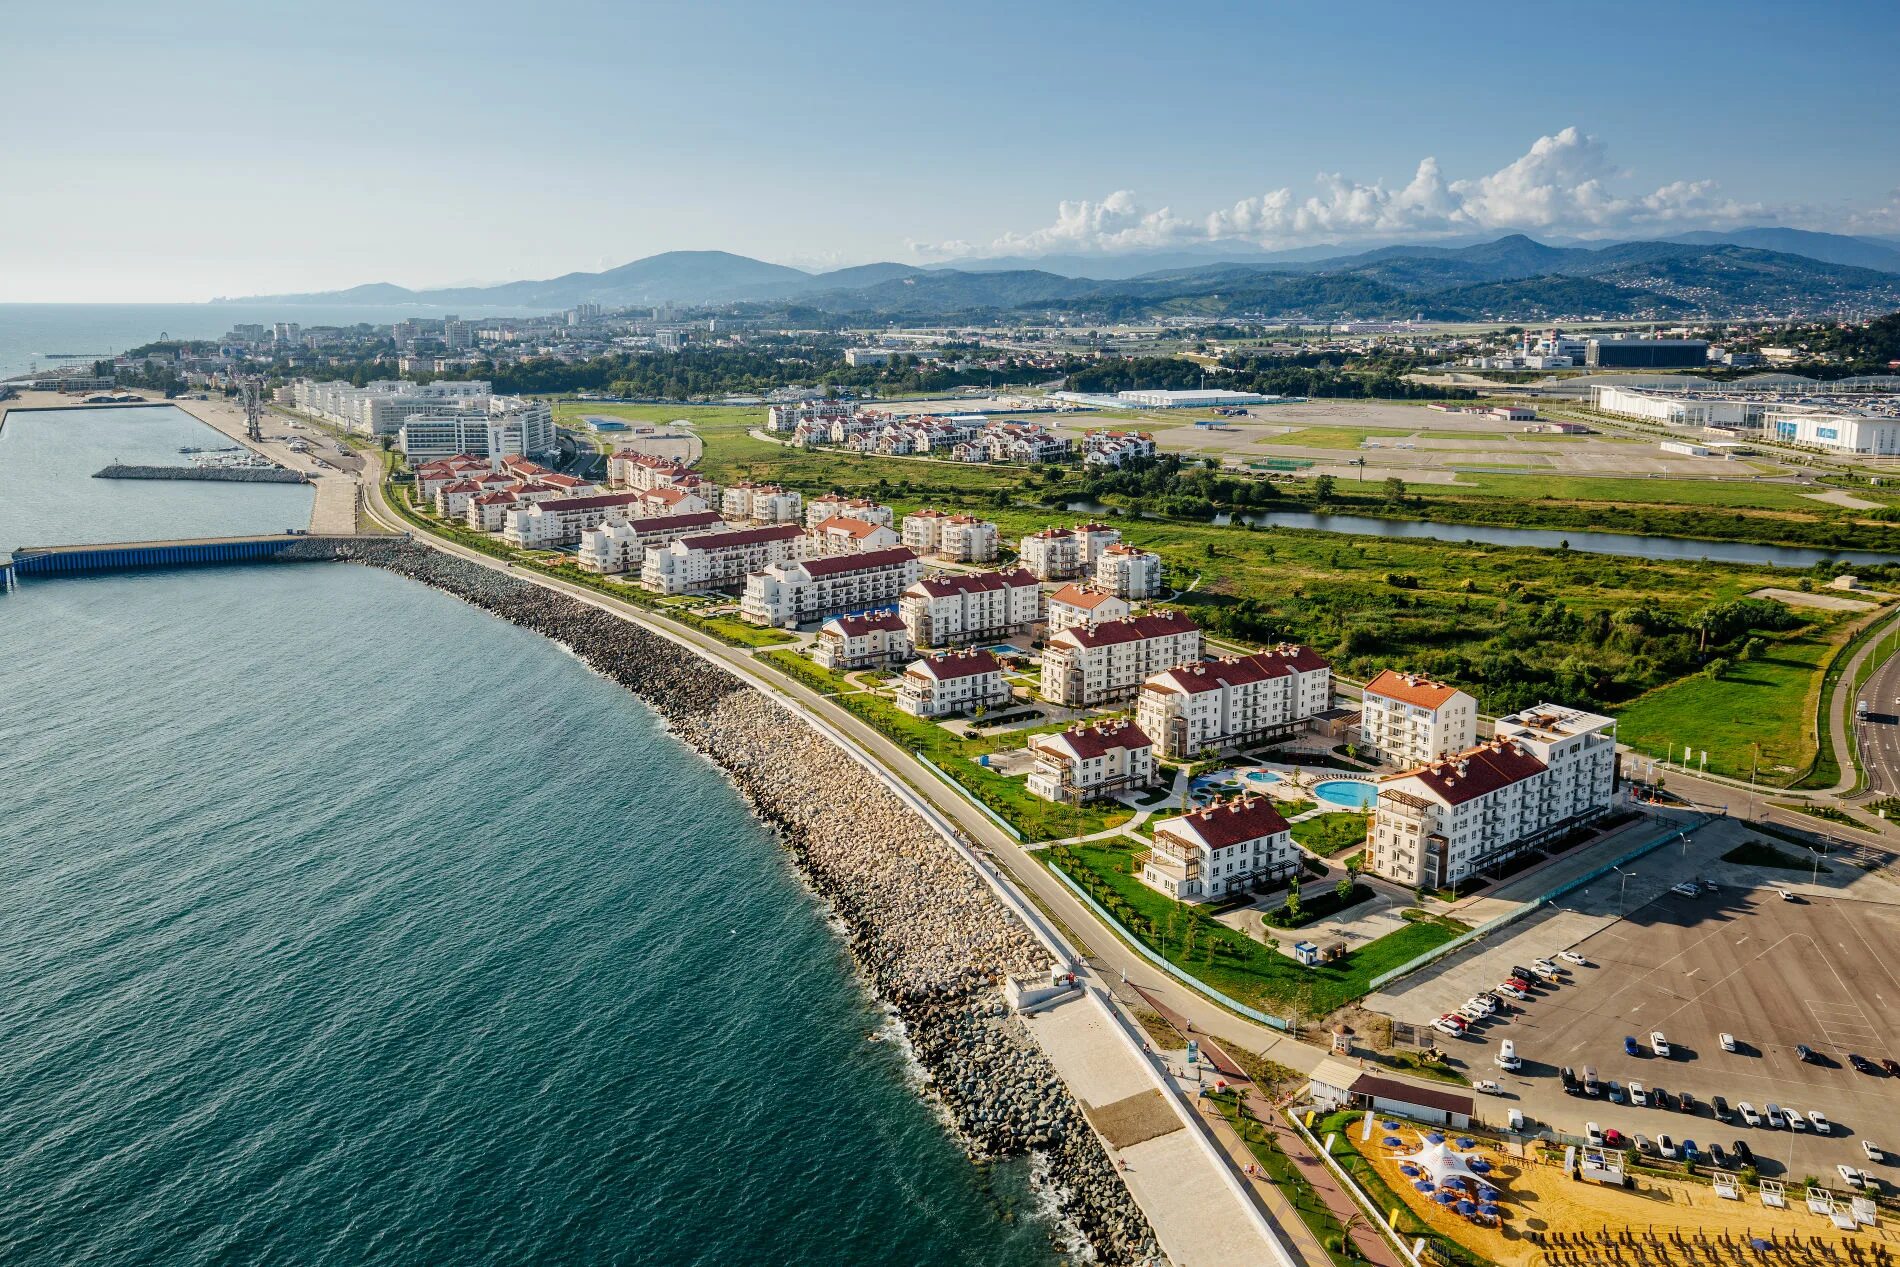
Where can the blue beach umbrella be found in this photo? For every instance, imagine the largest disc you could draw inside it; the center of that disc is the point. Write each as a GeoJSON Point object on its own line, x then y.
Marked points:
{"type": "Point", "coordinates": [1464, 1141]}
{"type": "Point", "coordinates": [1424, 1185]}
{"type": "Point", "coordinates": [1434, 1138]}
{"type": "Point", "coordinates": [1479, 1164]}
{"type": "Point", "coordinates": [1390, 1126]}
{"type": "Point", "coordinates": [1445, 1196]}
{"type": "Point", "coordinates": [1467, 1208]}
{"type": "Point", "coordinates": [1392, 1141]}
{"type": "Point", "coordinates": [1408, 1170]}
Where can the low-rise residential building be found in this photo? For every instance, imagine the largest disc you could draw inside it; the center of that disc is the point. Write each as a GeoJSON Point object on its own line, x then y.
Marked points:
{"type": "Point", "coordinates": [1113, 448]}
{"type": "Point", "coordinates": [488, 511]}
{"type": "Point", "coordinates": [954, 538]}
{"type": "Point", "coordinates": [621, 545]}
{"type": "Point", "coordinates": [839, 506]}
{"type": "Point", "coordinates": [1084, 667]}
{"type": "Point", "coordinates": [1085, 606]}
{"type": "Point", "coordinates": [1088, 763]}
{"type": "Point", "coordinates": [1548, 771]}
{"type": "Point", "coordinates": [1408, 720]}
{"type": "Point", "coordinates": [559, 521]}
{"type": "Point", "coordinates": [959, 607]}
{"type": "Point", "coordinates": [1229, 847]}
{"type": "Point", "coordinates": [629, 468]}
{"type": "Point", "coordinates": [842, 534]}
{"type": "Point", "coordinates": [955, 682]}
{"type": "Point", "coordinates": [1130, 573]}
{"type": "Point", "coordinates": [1208, 705]}
{"type": "Point", "coordinates": [761, 503]}
{"type": "Point", "coordinates": [877, 640]}
{"type": "Point", "coordinates": [792, 592]}
{"type": "Point", "coordinates": [1057, 554]}
{"type": "Point", "coordinates": [718, 560]}
{"type": "Point", "coordinates": [671, 500]}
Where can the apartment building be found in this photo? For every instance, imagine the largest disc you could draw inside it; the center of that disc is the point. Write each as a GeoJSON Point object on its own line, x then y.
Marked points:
{"type": "Point", "coordinates": [1057, 554]}
{"type": "Point", "coordinates": [1113, 448]}
{"type": "Point", "coordinates": [954, 538]}
{"type": "Point", "coordinates": [1409, 720]}
{"type": "Point", "coordinates": [488, 511]}
{"type": "Point", "coordinates": [670, 499]}
{"type": "Point", "coordinates": [504, 426]}
{"type": "Point", "coordinates": [1552, 769]}
{"type": "Point", "coordinates": [789, 593]}
{"type": "Point", "coordinates": [718, 560]}
{"type": "Point", "coordinates": [1087, 763]}
{"type": "Point", "coordinates": [879, 640]}
{"type": "Point", "coordinates": [955, 682]}
{"type": "Point", "coordinates": [1229, 847]}
{"type": "Point", "coordinates": [381, 407]}
{"type": "Point", "coordinates": [1208, 705]}
{"type": "Point", "coordinates": [1084, 667]}
{"type": "Point", "coordinates": [559, 521]}
{"type": "Point", "coordinates": [958, 607]}
{"type": "Point", "coordinates": [1129, 573]}
{"type": "Point", "coordinates": [761, 503]}
{"type": "Point", "coordinates": [628, 468]}
{"type": "Point", "coordinates": [842, 534]}
{"type": "Point", "coordinates": [1084, 606]}
{"type": "Point", "coordinates": [838, 506]}
{"type": "Point", "coordinates": [621, 545]}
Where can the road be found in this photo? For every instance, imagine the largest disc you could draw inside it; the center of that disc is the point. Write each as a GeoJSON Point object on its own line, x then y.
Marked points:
{"type": "Point", "coordinates": [1879, 731]}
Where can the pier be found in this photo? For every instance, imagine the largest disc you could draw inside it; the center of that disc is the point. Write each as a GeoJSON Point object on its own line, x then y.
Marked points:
{"type": "Point", "coordinates": [138, 556]}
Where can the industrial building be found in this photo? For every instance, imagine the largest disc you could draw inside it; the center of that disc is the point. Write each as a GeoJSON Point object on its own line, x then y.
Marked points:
{"type": "Point", "coordinates": [1645, 354]}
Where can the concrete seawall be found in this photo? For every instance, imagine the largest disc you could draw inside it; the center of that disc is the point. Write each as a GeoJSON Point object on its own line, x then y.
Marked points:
{"type": "Point", "coordinates": [211, 474]}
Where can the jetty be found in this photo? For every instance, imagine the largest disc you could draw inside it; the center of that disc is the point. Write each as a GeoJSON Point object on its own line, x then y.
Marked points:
{"type": "Point", "coordinates": [215, 474]}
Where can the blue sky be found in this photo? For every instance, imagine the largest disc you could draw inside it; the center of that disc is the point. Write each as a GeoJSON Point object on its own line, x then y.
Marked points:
{"type": "Point", "coordinates": [178, 152]}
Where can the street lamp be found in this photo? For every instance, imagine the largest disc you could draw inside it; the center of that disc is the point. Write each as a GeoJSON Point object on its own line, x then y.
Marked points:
{"type": "Point", "coordinates": [1622, 888]}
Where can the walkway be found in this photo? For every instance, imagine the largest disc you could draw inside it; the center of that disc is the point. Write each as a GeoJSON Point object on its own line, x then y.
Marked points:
{"type": "Point", "coordinates": [333, 513]}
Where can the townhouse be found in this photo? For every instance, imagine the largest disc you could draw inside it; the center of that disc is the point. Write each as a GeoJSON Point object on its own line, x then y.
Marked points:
{"type": "Point", "coordinates": [958, 607]}
{"type": "Point", "coordinates": [1113, 448]}
{"type": "Point", "coordinates": [1408, 720]}
{"type": "Point", "coordinates": [1547, 771]}
{"type": "Point", "coordinates": [1229, 847]}
{"type": "Point", "coordinates": [1088, 763]}
{"type": "Point", "coordinates": [1129, 573]}
{"type": "Point", "coordinates": [1085, 606]}
{"type": "Point", "coordinates": [718, 560]}
{"type": "Point", "coordinates": [955, 682]}
{"type": "Point", "coordinates": [1208, 705]}
{"type": "Point", "coordinates": [790, 592]}
{"type": "Point", "coordinates": [838, 506]}
{"type": "Point", "coordinates": [1084, 667]}
{"type": "Point", "coordinates": [877, 640]}
{"type": "Point", "coordinates": [621, 545]}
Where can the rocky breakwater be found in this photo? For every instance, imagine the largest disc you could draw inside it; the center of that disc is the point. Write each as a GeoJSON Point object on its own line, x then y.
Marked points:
{"type": "Point", "coordinates": [932, 940]}
{"type": "Point", "coordinates": [216, 474]}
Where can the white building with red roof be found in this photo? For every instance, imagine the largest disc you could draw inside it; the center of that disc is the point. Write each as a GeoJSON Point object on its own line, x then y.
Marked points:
{"type": "Point", "coordinates": [839, 506]}
{"type": "Point", "coordinates": [877, 640]}
{"type": "Point", "coordinates": [718, 560]}
{"type": "Point", "coordinates": [1549, 770]}
{"type": "Point", "coordinates": [1082, 668]}
{"type": "Point", "coordinates": [954, 608]}
{"type": "Point", "coordinates": [953, 538]}
{"type": "Point", "coordinates": [1084, 606]}
{"type": "Point", "coordinates": [791, 592]}
{"type": "Point", "coordinates": [761, 503]}
{"type": "Point", "coordinates": [629, 468]}
{"type": "Point", "coordinates": [618, 546]}
{"type": "Point", "coordinates": [1226, 848]}
{"type": "Point", "coordinates": [1409, 720]}
{"type": "Point", "coordinates": [1128, 572]}
{"type": "Point", "coordinates": [1208, 705]}
{"type": "Point", "coordinates": [559, 521]}
{"type": "Point", "coordinates": [668, 499]}
{"type": "Point", "coordinates": [955, 682]}
{"type": "Point", "coordinates": [488, 512]}
{"type": "Point", "coordinates": [1057, 554]}
{"type": "Point", "coordinates": [1088, 763]}
{"type": "Point", "coordinates": [841, 534]}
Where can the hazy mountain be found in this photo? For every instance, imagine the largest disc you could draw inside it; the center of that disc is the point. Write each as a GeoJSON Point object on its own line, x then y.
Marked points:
{"type": "Point", "coordinates": [1830, 248]}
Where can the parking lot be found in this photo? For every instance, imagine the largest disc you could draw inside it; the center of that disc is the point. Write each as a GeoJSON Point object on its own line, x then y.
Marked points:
{"type": "Point", "coordinates": [1822, 971]}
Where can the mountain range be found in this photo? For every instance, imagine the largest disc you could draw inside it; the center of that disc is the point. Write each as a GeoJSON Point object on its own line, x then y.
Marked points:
{"type": "Point", "coordinates": [1743, 272]}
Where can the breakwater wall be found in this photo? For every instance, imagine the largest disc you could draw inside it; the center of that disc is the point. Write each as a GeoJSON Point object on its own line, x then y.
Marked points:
{"type": "Point", "coordinates": [932, 941]}
{"type": "Point", "coordinates": [134, 556]}
{"type": "Point", "coordinates": [216, 474]}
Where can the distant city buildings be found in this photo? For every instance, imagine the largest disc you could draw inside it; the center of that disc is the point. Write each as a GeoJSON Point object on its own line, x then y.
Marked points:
{"type": "Point", "coordinates": [1113, 448]}
{"type": "Point", "coordinates": [1190, 399]}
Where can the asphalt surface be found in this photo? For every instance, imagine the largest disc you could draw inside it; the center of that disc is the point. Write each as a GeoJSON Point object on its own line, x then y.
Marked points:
{"type": "Point", "coordinates": [1879, 731]}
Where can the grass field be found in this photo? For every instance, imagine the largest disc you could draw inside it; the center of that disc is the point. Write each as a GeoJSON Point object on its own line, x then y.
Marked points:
{"type": "Point", "coordinates": [1328, 834]}
{"type": "Point", "coordinates": [1769, 701]}
{"type": "Point", "coordinates": [1736, 494]}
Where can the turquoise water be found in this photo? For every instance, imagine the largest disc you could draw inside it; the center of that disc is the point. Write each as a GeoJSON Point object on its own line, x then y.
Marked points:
{"type": "Point", "coordinates": [1352, 793]}
{"type": "Point", "coordinates": [343, 924]}
{"type": "Point", "coordinates": [48, 495]}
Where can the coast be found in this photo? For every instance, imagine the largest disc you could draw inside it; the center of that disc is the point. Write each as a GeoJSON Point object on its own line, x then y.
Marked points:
{"type": "Point", "coordinates": [931, 939]}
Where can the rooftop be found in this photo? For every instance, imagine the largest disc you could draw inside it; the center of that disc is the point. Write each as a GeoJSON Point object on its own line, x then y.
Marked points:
{"type": "Point", "coordinates": [1410, 688]}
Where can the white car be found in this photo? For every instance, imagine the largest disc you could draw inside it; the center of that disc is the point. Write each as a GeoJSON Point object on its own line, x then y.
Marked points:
{"type": "Point", "coordinates": [1594, 1134]}
{"type": "Point", "coordinates": [1728, 1041]}
{"type": "Point", "coordinates": [1872, 1150]}
{"type": "Point", "coordinates": [1543, 967]}
{"type": "Point", "coordinates": [1638, 1096]}
{"type": "Point", "coordinates": [1505, 987]}
{"type": "Point", "coordinates": [1749, 1116]}
{"type": "Point", "coordinates": [1849, 1175]}
{"type": "Point", "coordinates": [1795, 1121]}
{"type": "Point", "coordinates": [1685, 888]}
{"type": "Point", "coordinates": [1487, 1087]}
{"type": "Point", "coordinates": [1665, 1146]}
{"type": "Point", "coordinates": [1659, 1044]}
{"type": "Point", "coordinates": [1571, 956]}
{"type": "Point", "coordinates": [1507, 1057]}
{"type": "Point", "coordinates": [1819, 1121]}
{"type": "Point", "coordinates": [1473, 1011]}
{"type": "Point", "coordinates": [1483, 1002]}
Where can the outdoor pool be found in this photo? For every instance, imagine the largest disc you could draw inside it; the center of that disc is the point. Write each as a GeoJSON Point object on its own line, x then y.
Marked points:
{"type": "Point", "coordinates": [1356, 794]}
{"type": "Point", "coordinates": [1261, 777]}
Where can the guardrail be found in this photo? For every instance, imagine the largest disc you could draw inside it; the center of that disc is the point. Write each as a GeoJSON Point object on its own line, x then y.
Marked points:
{"type": "Point", "coordinates": [1185, 978]}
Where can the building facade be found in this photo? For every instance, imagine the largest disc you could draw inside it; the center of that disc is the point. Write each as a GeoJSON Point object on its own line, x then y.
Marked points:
{"type": "Point", "coordinates": [953, 538]}
{"type": "Point", "coordinates": [1129, 573]}
{"type": "Point", "coordinates": [862, 642]}
{"type": "Point", "coordinates": [841, 534]}
{"type": "Point", "coordinates": [1083, 606]}
{"type": "Point", "coordinates": [1082, 668]}
{"type": "Point", "coordinates": [718, 560]}
{"type": "Point", "coordinates": [789, 593]}
{"type": "Point", "coordinates": [961, 607]}
{"type": "Point", "coordinates": [1208, 705]}
{"type": "Point", "coordinates": [559, 521]}
{"type": "Point", "coordinates": [955, 682]}
{"type": "Point", "coordinates": [1229, 847]}
{"type": "Point", "coordinates": [1408, 720]}
{"type": "Point", "coordinates": [1088, 763]}
{"type": "Point", "coordinates": [621, 546]}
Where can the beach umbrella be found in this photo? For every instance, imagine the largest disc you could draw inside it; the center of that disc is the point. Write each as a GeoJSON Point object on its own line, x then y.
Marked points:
{"type": "Point", "coordinates": [1408, 1170]}
{"type": "Point", "coordinates": [1390, 1126]}
{"type": "Point", "coordinates": [1490, 1208]}
{"type": "Point", "coordinates": [1467, 1208]}
{"type": "Point", "coordinates": [1392, 1141]}
{"type": "Point", "coordinates": [1479, 1164]}
{"type": "Point", "coordinates": [1434, 1138]}
{"type": "Point", "coordinates": [1464, 1141]}
{"type": "Point", "coordinates": [1758, 1243]}
{"type": "Point", "coordinates": [1445, 1196]}
{"type": "Point", "coordinates": [1424, 1185]}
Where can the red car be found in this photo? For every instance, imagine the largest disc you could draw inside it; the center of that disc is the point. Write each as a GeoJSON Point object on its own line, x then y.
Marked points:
{"type": "Point", "coordinates": [1613, 1138]}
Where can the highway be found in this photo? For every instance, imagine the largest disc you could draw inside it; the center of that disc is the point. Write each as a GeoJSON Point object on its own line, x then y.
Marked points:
{"type": "Point", "coordinates": [1879, 730]}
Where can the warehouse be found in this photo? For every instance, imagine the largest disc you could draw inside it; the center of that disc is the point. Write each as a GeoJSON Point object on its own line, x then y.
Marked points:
{"type": "Point", "coordinates": [1645, 354]}
{"type": "Point", "coordinates": [1190, 399]}
{"type": "Point", "coordinates": [1836, 432]}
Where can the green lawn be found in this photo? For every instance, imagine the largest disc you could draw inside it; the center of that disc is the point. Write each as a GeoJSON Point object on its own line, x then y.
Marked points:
{"type": "Point", "coordinates": [1328, 834]}
{"type": "Point", "coordinates": [1240, 967]}
{"type": "Point", "coordinates": [1769, 702]}
{"type": "Point", "coordinates": [1623, 490]}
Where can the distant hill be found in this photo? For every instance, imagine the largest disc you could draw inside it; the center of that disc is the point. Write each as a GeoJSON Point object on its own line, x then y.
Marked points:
{"type": "Point", "coordinates": [1829, 248]}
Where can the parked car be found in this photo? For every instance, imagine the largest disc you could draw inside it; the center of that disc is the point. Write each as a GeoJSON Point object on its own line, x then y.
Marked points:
{"type": "Point", "coordinates": [1487, 1087]}
{"type": "Point", "coordinates": [1644, 1144]}
{"type": "Point", "coordinates": [1720, 1106]}
{"type": "Point", "coordinates": [1689, 1150]}
{"type": "Point", "coordinates": [1521, 973]}
{"type": "Point", "coordinates": [1891, 1065]}
{"type": "Point", "coordinates": [1818, 1120]}
{"type": "Point", "coordinates": [1471, 1011]}
{"type": "Point", "coordinates": [1544, 968]}
{"type": "Point", "coordinates": [1749, 1117]}
{"type": "Point", "coordinates": [1638, 1096]}
{"type": "Point", "coordinates": [1523, 983]}
{"type": "Point", "coordinates": [1743, 1153]}
{"type": "Point", "coordinates": [1571, 956]}
{"type": "Point", "coordinates": [1510, 988]}
{"type": "Point", "coordinates": [1861, 1063]}
{"type": "Point", "coordinates": [1685, 888]}
{"type": "Point", "coordinates": [1485, 1002]}
{"type": "Point", "coordinates": [1568, 1077]}
{"type": "Point", "coordinates": [1590, 1080]}
{"type": "Point", "coordinates": [1661, 1098]}
{"type": "Point", "coordinates": [1507, 1057]}
{"type": "Point", "coordinates": [1805, 1052]}
{"type": "Point", "coordinates": [1665, 1146]}
{"type": "Point", "coordinates": [1717, 1157]}
{"type": "Point", "coordinates": [1615, 1091]}
{"type": "Point", "coordinates": [1685, 1103]}
{"type": "Point", "coordinates": [1614, 1138]}
{"type": "Point", "coordinates": [1787, 896]}
{"type": "Point", "coordinates": [1659, 1044]}
{"type": "Point", "coordinates": [1849, 1175]}
{"type": "Point", "coordinates": [1594, 1134]}
{"type": "Point", "coordinates": [1727, 1041]}
{"type": "Point", "coordinates": [1795, 1121]}
{"type": "Point", "coordinates": [1630, 1047]}
{"type": "Point", "coordinates": [1872, 1150]}
{"type": "Point", "coordinates": [1773, 1116]}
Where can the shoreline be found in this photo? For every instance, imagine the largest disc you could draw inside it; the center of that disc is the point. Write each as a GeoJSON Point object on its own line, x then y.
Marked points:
{"type": "Point", "coordinates": [930, 940]}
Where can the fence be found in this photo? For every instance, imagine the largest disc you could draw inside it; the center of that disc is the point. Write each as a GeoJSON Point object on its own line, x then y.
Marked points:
{"type": "Point", "coordinates": [969, 796]}
{"type": "Point", "coordinates": [1185, 978]}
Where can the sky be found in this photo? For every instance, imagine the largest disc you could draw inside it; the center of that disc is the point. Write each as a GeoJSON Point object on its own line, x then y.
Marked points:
{"type": "Point", "coordinates": [180, 152]}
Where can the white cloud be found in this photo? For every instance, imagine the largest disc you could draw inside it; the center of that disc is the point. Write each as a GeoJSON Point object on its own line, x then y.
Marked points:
{"type": "Point", "coordinates": [1564, 184]}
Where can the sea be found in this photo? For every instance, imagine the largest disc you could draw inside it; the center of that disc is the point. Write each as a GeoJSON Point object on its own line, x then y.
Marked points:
{"type": "Point", "coordinates": [344, 924]}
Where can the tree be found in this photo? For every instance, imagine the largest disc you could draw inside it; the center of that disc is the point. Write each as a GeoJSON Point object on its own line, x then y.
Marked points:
{"type": "Point", "coordinates": [1324, 487]}
{"type": "Point", "coordinates": [1344, 887]}
{"type": "Point", "coordinates": [1394, 489]}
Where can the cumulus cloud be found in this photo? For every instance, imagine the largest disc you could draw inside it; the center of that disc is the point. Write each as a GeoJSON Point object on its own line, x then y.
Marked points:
{"type": "Point", "coordinates": [1565, 183]}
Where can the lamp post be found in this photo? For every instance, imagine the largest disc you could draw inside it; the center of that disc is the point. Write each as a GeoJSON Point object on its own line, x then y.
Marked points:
{"type": "Point", "coordinates": [1621, 889]}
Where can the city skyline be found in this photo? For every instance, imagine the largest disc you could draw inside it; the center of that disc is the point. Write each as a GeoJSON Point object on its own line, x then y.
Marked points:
{"type": "Point", "coordinates": [463, 147]}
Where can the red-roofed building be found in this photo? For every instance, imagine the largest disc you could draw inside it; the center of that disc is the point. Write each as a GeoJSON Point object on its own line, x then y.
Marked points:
{"type": "Point", "coordinates": [1409, 720]}
{"type": "Point", "coordinates": [1091, 762]}
{"type": "Point", "coordinates": [718, 560]}
{"type": "Point", "coordinates": [621, 545]}
{"type": "Point", "coordinates": [955, 682]}
{"type": "Point", "coordinates": [1082, 668]}
{"type": "Point", "coordinates": [1130, 573]}
{"type": "Point", "coordinates": [956, 538]}
{"type": "Point", "coordinates": [1084, 605]}
{"type": "Point", "coordinates": [488, 511]}
{"type": "Point", "coordinates": [842, 534]}
{"type": "Point", "coordinates": [789, 593]}
{"type": "Point", "coordinates": [1055, 554]}
{"type": "Point", "coordinates": [877, 640]}
{"type": "Point", "coordinates": [559, 521]}
{"type": "Point", "coordinates": [954, 608]}
{"type": "Point", "coordinates": [1208, 705]}
{"type": "Point", "coordinates": [1229, 847]}
{"type": "Point", "coordinates": [839, 506]}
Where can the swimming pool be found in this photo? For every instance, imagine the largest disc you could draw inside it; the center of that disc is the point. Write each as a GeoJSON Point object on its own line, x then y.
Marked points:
{"type": "Point", "coordinates": [1359, 794]}
{"type": "Point", "coordinates": [1261, 776]}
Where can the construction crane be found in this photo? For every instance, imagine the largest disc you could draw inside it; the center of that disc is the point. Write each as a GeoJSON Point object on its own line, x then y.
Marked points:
{"type": "Point", "coordinates": [253, 406]}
